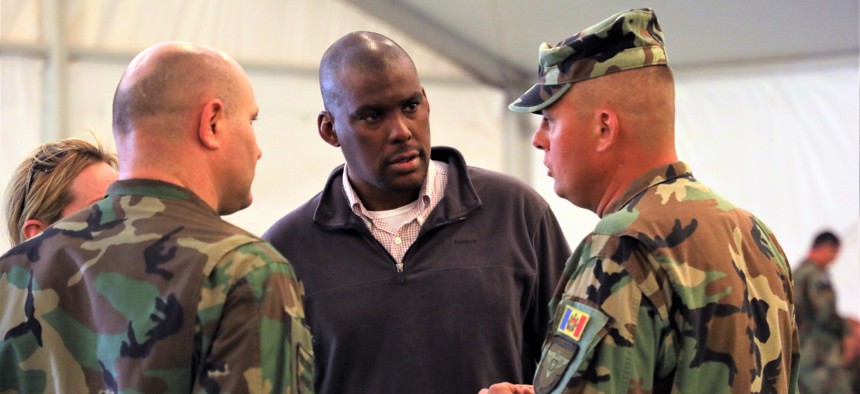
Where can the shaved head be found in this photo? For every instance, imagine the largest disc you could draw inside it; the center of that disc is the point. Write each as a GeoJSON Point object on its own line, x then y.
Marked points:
{"type": "Point", "coordinates": [644, 97]}
{"type": "Point", "coordinates": [180, 106]}
{"type": "Point", "coordinates": [358, 52]}
{"type": "Point", "coordinates": [167, 81]}
{"type": "Point", "coordinates": [606, 131]}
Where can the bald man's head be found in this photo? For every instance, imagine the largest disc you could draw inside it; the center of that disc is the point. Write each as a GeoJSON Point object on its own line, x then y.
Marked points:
{"type": "Point", "coordinates": [169, 80]}
{"type": "Point", "coordinates": [357, 52]}
{"type": "Point", "coordinates": [643, 97]}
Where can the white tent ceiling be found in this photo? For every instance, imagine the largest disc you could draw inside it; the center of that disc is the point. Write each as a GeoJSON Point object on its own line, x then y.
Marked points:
{"type": "Point", "coordinates": [498, 39]}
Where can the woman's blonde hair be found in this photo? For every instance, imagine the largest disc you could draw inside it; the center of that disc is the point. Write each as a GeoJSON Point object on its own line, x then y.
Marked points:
{"type": "Point", "coordinates": [39, 189]}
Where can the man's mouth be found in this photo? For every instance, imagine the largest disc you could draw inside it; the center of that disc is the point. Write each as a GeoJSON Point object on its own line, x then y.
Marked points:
{"type": "Point", "coordinates": [548, 170]}
{"type": "Point", "coordinates": [406, 162]}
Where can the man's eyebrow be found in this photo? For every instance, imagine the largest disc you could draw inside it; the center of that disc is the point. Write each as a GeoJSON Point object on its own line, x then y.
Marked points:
{"type": "Point", "coordinates": [417, 96]}
{"type": "Point", "coordinates": [366, 108]}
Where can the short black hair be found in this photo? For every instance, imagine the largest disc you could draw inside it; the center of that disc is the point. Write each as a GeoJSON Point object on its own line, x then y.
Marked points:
{"type": "Point", "coordinates": [359, 51]}
{"type": "Point", "coordinates": [825, 237]}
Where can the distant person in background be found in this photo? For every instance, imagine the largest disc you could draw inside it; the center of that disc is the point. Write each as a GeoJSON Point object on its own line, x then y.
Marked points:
{"type": "Point", "coordinates": [676, 289]}
{"type": "Point", "coordinates": [54, 181]}
{"type": "Point", "coordinates": [822, 330]}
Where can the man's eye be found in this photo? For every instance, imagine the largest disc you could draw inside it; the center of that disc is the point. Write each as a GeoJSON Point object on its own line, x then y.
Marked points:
{"type": "Point", "coordinates": [371, 117]}
{"type": "Point", "coordinates": [411, 107]}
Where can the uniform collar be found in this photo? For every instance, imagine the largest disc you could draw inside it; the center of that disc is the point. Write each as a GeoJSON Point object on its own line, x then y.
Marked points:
{"type": "Point", "coordinates": [664, 174]}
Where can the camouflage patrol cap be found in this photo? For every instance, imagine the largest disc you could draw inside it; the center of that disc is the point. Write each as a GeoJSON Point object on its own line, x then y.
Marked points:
{"type": "Point", "coordinates": [624, 41]}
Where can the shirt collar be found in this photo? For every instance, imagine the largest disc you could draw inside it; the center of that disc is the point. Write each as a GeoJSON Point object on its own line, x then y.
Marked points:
{"type": "Point", "coordinates": [427, 189]}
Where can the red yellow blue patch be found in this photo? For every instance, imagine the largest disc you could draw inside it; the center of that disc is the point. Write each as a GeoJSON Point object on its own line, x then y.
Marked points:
{"type": "Point", "coordinates": [573, 322]}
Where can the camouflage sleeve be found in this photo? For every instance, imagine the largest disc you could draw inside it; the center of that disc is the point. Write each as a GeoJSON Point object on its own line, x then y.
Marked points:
{"type": "Point", "coordinates": [607, 336]}
{"type": "Point", "coordinates": [253, 337]}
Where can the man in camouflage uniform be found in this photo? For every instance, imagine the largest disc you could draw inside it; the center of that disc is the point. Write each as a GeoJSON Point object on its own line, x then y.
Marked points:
{"type": "Point", "coordinates": [149, 290]}
{"type": "Point", "coordinates": [676, 289]}
{"type": "Point", "coordinates": [822, 330]}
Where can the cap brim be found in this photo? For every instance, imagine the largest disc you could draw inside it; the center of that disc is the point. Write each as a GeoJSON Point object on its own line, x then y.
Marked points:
{"type": "Point", "coordinates": [539, 97]}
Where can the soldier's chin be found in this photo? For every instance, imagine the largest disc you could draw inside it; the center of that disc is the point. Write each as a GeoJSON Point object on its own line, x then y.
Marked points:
{"type": "Point", "coordinates": [247, 202]}
{"type": "Point", "coordinates": [233, 208]}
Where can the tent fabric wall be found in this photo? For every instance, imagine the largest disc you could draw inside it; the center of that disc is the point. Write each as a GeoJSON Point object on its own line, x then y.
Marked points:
{"type": "Point", "coordinates": [20, 121]}
{"type": "Point", "coordinates": [780, 139]}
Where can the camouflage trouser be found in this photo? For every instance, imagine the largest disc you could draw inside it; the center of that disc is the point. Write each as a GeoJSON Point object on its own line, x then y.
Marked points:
{"type": "Point", "coordinates": [821, 369]}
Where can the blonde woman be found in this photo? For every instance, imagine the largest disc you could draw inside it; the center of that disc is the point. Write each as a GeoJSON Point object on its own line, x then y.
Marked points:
{"type": "Point", "coordinates": [54, 181]}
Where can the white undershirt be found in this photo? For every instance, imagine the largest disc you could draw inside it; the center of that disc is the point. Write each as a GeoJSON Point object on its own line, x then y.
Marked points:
{"type": "Point", "coordinates": [394, 218]}
{"type": "Point", "coordinates": [398, 228]}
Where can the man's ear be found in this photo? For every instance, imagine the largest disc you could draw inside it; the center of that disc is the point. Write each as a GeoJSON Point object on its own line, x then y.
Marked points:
{"type": "Point", "coordinates": [32, 228]}
{"type": "Point", "coordinates": [609, 129]}
{"type": "Point", "coordinates": [426, 102]}
{"type": "Point", "coordinates": [325, 126]}
{"type": "Point", "coordinates": [211, 118]}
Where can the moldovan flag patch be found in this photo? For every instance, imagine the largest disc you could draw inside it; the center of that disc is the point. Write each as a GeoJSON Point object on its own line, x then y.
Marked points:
{"type": "Point", "coordinates": [573, 322]}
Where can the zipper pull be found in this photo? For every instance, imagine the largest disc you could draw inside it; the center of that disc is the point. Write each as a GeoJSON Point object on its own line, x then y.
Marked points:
{"type": "Point", "coordinates": [400, 277]}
